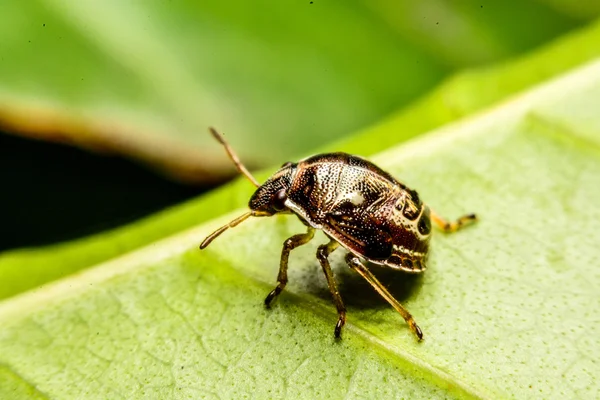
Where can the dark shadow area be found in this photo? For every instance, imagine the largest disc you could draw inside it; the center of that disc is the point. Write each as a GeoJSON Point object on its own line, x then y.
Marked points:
{"type": "Point", "coordinates": [51, 192]}
{"type": "Point", "coordinates": [356, 292]}
{"type": "Point", "coordinates": [360, 294]}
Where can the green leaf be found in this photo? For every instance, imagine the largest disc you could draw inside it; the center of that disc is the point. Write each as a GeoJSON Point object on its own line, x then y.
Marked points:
{"type": "Point", "coordinates": [145, 79]}
{"type": "Point", "coordinates": [484, 29]}
{"type": "Point", "coordinates": [460, 96]}
{"type": "Point", "coordinates": [584, 9]}
{"type": "Point", "coordinates": [508, 306]}
{"type": "Point", "coordinates": [470, 91]}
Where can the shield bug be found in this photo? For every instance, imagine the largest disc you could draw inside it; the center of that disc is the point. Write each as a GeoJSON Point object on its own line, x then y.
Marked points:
{"type": "Point", "coordinates": [358, 206]}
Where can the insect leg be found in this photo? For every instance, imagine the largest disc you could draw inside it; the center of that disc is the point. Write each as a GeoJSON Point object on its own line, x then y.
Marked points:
{"type": "Point", "coordinates": [359, 267]}
{"type": "Point", "coordinates": [322, 254]}
{"type": "Point", "coordinates": [290, 244]}
{"type": "Point", "coordinates": [448, 226]}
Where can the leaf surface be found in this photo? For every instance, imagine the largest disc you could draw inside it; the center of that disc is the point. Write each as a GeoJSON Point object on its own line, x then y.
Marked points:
{"type": "Point", "coordinates": [507, 306]}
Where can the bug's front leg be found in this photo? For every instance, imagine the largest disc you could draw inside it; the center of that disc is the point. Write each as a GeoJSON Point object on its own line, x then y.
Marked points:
{"type": "Point", "coordinates": [453, 226]}
{"type": "Point", "coordinates": [355, 264]}
{"type": "Point", "coordinates": [322, 254]}
{"type": "Point", "coordinates": [290, 244]}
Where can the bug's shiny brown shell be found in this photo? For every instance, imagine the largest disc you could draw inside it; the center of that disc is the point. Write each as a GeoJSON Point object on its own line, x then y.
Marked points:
{"type": "Point", "coordinates": [362, 207]}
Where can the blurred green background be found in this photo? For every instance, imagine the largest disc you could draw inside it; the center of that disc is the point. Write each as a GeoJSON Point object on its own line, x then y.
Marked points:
{"type": "Point", "coordinates": [104, 105]}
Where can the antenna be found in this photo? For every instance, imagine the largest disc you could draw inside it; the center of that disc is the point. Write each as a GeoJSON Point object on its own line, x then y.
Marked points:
{"type": "Point", "coordinates": [238, 164]}
{"type": "Point", "coordinates": [231, 224]}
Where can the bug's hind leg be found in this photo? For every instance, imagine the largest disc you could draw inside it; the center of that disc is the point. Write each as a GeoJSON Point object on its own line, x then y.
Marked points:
{"type": "Point", "coordinates": [359, 267]}
{"type": "Point", "coordinates": [290, 244]}
{"type": "Point", "coordinates": [322, 254]}
{"type": "Point", "coordinates": [448, 226]}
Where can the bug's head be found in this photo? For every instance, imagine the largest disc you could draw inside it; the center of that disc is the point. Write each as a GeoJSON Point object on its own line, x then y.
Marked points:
{"type": "Point", "coordinates": [270, 197]}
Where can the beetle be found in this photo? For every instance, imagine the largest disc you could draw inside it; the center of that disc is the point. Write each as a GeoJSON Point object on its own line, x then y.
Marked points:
{"type": "Point", "coordinates": [358, 206]}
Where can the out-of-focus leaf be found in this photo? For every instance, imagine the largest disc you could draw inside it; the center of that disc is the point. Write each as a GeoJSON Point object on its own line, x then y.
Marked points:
{"type": "Point", "coordinates": [508, 306]}
{"type": "Point", "coordinates": [486, 30]}
{"type": "Point", "coordinates": [471, 91]}
{"type": "Point", "coordinates": [582, 9]}
{"type": "Point", "coordinates": [28, 268]}
{"type": "Point", "coordinates": [145, 79]}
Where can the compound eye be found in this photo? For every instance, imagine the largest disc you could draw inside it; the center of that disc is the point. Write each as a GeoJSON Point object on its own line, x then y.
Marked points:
{"type": "Point", "coordinates": [424, 224]}
{"type": "Point", "coordinates": [279, 200]}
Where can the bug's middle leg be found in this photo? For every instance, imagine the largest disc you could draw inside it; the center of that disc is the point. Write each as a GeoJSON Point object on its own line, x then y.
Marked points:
{"type": "Point", "coordinates": [359, 267]}
{"type": "Point", "coordinates": [322, 254]}
{"type": "Point", "coordinates": [290, 244]}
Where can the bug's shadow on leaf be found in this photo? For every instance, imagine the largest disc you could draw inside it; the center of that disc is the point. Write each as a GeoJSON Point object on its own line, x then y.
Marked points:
{"type": "Point", "coordinates": [356, 292]}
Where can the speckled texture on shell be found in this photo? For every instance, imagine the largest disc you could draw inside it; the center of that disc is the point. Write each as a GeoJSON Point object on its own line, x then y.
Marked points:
{"type": "Point", "coordinates": [362, 207]}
